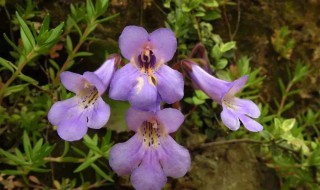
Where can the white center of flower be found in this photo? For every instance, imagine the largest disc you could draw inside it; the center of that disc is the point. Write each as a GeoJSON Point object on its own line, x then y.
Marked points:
{"type": "Point", "coordinates": [228, 102]}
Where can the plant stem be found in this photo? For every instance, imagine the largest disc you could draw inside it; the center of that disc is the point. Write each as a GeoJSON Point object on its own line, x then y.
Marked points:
{"type": "Point", "coordinates": [284, 98]}
{"type": "Point", "coordinates": [64, 159]}
{"type": "Point", "coordinates": [21, 65]}
{"type": "Point", "coordinates": [71, 56]}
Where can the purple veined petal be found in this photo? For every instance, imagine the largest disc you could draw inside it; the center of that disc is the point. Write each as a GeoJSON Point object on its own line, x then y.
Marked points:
{"type": "Point", "coordinates": [170, 84]}
{"type": "Point", "coordinates": [106, 71]}
{"type": "Point", "coordinates": [246, 107]}
{"type": "Point", "coordinates": [174, 158]}
{"type": "Point", "coordinates": [144, 95]}
{"type": "Point", "coordinates": [72, 129]}
{"type": "Point", "coordinates": [170, 118]}
{"type": "Point", "coordinates": [95, 81]}
{"type": "Point", "coordinates": [123, 82]}
{"type": "Point", "coordinates": [250, 124]}
{"type": "Point", "coordinates": [125, 157]}
{"type": "Point", "coordinates": [135, 118]}
{"type": "Point", "coordinates": [164, 43]}
{"type": "Point", "coordinates": [237, 85]}
{"type": "Point", "coordinates": [72, 81]}
{"type": "Point", "coordinates": [132, 40]}
{"type": "Point", "coordinates": [149, 175]}
{"type": "Point", "coordinates": [64, 110]}
{"type": "Point", "coordinates": [213, 87]}
{"type": "Point", "coordinates": [230, 119]}
{"type": "Point", "coordinates": [99, 114]}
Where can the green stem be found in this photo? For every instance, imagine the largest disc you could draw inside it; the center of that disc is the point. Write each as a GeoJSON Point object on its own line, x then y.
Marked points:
{"type": "Point", "coordinates": [71, 56]}
{"type": "Point", "coordinates": [21, 65]}
{"type": "Point", "coordinates": [284, 98]}
{"type": "Point", "coordinates": [64, 159]}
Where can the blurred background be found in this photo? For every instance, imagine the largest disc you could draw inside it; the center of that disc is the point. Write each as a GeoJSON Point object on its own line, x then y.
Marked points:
{"type": "Point", "coordinates": [276, 43]}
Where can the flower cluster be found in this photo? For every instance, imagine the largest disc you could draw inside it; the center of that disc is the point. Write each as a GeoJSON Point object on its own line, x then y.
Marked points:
{"type": "Point", "coordinates": [146, 81]}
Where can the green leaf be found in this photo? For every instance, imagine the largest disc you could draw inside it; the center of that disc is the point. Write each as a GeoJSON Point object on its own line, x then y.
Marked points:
{"type": "Point", "coordinates": [101, 173]}
{"type": "Point", "coordinates": [26, 31]}
{"type": "Point", "coordinates": [90, 10]}
{"type": "Point", "coordinates": [222, 63]}
{"type": "Point", "coordinates": [12, 172]}
{"type": "Point", "coordinates": [45, 24]}
{"type": "Point", "coordinates": [83, 54]}
{"type": "Point", "coordinates": [12, 157]}
{"type": "Point", "coordinates": [108, 18]}
{"type": "Point", "coordinates": [227, 46]}
{"type": "Point", "coordinates": [7, 64]}
{"type": "Point", "coordinates": [69, 44]}
{"type": "Point", "coordinates": [26, 145]}
{"type": "Point", "coordinates": [12, 44]}
{"type": "Point", "coordinates": [13, 89]}
{"type": "Point", "coordinates": [86, 163]}
{"type": "Point", "coordinates": [288, 124]}
{"type": "Point", "coordinates": [201, 95]}
{"type": "Point", "coordinates": [28, 79]}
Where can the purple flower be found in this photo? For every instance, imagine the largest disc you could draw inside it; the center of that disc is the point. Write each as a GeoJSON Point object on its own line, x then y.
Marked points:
{"type": "Point", "coordinates": [223, 92]}
{"type": "Point", "coordinates": [151, 154]}
{"type": "Point", "coordinates": [146, 77]}
{"type": "Point", "coordinates": [87, 109]}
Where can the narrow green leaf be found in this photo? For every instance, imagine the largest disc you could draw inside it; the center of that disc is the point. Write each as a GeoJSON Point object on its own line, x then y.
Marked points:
{"type": "Point", "coordinates": [108, 18]}
{"type": "Point", "coordinates": [227, 46]}
{"type": "Point", "coordinates": [83, 54]}
{"type": "Point", "coordinates": [86, 164]}
{"type": "Point", "coordinates": [45, 24]}
{"type": "Point", "coordinates": [28, 79]}
{"type": "Point", "coordinates": [12, 44]}
{"type": "Point", "coordinates": [90, 9]}
{"type": "Point", "coordinates": [12, 172]}
{"type": "Point", "coordinates": [12, 157]}
{"type": "Point", "coordinates": [37, 147]}
{"type": "Point", "coordinates": [69, 44]}
{"type": "Point", "coordinates": [26, 30]}
{"type": "Point", "coordinates": [101, 173]}
{"type": "Point", "coordinates": [13, 89]}
{"type": "Point", "coordinates": [26, 145]}
{"type": "Point", "coordinates": [7, 64]}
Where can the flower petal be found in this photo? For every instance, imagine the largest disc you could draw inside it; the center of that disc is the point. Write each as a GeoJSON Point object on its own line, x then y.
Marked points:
{"type": "Point", "coordinates": [73, 129]}
{"type": "Point", "coordinates": [174, 158]}
{"type": "Point", "coordinates": [63, 110]}
{"type": "Point", "coordinates": [125, 157]}
{"type": "Point", "coordinates": [250, 124]}
{"type": "Point", "coordinates": [123, 82]}
{"type": "Point", "coordinates": [72, 81]}
{"type": "Point", "coordinates": [213, 87]}
{"type": "Point", "coordinates": [230, 119]}
{"type": "Point", "coordinates": [164, 43]}
{"type": "Point", "coordinates": [246, 107]}
{"type": "Point", "coordinates": [131, 41]}
{"type": "Point", "coordinates": [237, 85]}
{"type": "Point", "coordinates": [95, 81]}
{"type": "Point", "coordinates": [170, 118]}
{"type": "Point", "coordinates": [106, 71]}
{"type": "Point", "coordinates": [170, 84]}
{"type": "Point", "coordinates": [149, 175]}
{"type": "Point", "coordinates": [143, 95]}
{"type": "Point", "coordinates": [135, 118]}
{"type": "Point", "coordinates": [99, 114]}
